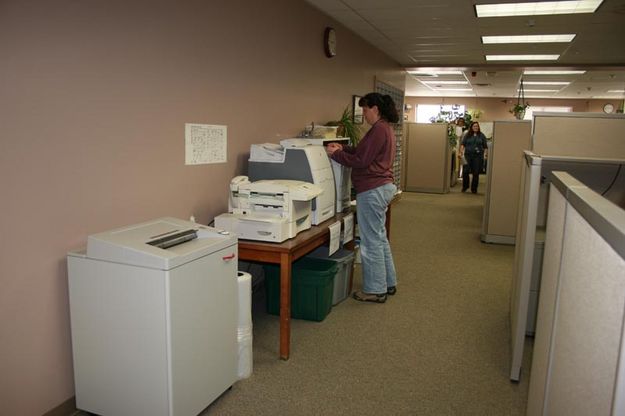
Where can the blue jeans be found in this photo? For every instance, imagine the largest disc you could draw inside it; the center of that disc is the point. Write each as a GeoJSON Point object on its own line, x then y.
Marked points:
{"type": "Point", "coordinates": [378, 269]}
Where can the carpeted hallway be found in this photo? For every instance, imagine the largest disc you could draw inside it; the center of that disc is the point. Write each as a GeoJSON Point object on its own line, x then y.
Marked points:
{"type": "Point", "coordinates": [438, 347]}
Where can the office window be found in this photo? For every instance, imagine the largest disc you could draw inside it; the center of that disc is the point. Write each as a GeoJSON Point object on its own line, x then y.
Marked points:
{"type": "Point", "coordinates": [426, 112]}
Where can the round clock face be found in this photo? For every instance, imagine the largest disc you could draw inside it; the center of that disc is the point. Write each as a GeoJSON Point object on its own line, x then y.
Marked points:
{"type": "Point", "coordinates": [329, 42]}
{"type": "Point", "coordinates": [608, 108]}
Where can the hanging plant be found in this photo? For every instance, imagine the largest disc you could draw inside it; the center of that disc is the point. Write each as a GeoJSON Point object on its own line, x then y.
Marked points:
{"type": "Point", "coordinates": [521, 105]}
{"type": "Point", "coordinates": [519, 110]}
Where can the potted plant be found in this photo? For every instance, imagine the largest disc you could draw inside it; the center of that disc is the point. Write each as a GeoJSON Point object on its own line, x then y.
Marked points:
{"type": "Point", "coordinates": [347, 127]}
{"type": "Point", "coordinates": [474, 113]}
{"type": "Point", "coordinates": [519, 110]}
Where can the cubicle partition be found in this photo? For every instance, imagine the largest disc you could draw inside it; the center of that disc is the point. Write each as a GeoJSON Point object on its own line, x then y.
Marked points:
{"type": "Point", "coordinates": [593, 145]}
{"type": "Point", "coordinates": [578, 363]}
{"type": "Point", "coordinates": [586, 135]}
{"type": "Point", "coordinates": [592, 135]}
{"type": "Point", "coordinates": [505, 163]}
{"type": "Point", "coordinates": [428, 158]}
{"type": "Point", "coordinates": [605, 176]}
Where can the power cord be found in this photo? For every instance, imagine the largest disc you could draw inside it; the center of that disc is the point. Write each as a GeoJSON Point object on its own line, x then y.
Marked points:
{"type": "Point", "coordinates": [618, 171]}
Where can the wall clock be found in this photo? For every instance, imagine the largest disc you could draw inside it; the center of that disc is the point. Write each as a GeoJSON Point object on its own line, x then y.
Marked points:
{"type": "Point", "coordinates": [329, 42]}
{"type": "Point", "coordinates": [608, 108]}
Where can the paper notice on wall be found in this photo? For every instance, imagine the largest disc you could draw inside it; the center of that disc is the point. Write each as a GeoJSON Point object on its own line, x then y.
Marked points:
{"type": "Point", "coordinates": [335, 237]}
{"type": "Point", "coordinates": [205, 143]}
{"type": "Point", "coordinates": [348, 228]}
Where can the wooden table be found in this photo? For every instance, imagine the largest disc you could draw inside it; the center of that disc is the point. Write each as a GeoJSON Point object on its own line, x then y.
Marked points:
{"type": "Point", "coordinates": [285, 254]}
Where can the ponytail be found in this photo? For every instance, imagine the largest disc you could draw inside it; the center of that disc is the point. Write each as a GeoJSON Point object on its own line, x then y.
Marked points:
{"type": "Point", "coordinates": [385, 104]}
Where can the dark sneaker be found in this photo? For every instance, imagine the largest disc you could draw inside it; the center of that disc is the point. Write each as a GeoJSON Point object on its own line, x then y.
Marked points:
{"type": "Point", "coordinates": [391, 290]}
{"type": "Point", "coordinates": [369, 297]}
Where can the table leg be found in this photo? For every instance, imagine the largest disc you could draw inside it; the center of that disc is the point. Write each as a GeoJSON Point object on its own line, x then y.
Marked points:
{"type": "Point", "coordinates": [285, 305]}
{"type": "Point", "coordinates": [351, 245]}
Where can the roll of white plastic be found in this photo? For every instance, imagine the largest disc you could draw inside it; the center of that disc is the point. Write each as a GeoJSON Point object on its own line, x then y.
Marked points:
{"type": "Point", "coordinates": [246, 359]}
{"type": "Point", "coordinates": [244, 330]}
{"type": "Point", "coordinates": [244, 281]}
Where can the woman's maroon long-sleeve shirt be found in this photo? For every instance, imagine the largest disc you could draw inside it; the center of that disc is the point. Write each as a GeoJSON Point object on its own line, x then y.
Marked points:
{"type": "Point", "coordinates": [372, 159]}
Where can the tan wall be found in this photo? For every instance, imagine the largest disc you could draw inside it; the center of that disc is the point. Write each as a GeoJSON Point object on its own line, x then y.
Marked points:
{"type": "Point", "coordinates": [498, 108]}
{"type": "Point", "coordinates": [93, 101]}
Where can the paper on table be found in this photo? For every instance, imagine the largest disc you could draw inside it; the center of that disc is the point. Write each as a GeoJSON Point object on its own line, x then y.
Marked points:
{"type": "Point", "coordinates": [348, 228]}
{"type": "Point", "coordinates": [335, 236]}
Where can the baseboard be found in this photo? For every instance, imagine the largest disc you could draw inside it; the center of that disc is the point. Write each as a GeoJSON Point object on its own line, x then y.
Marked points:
{"type": "Point", "coordinates": [427, 190]}
{"type": "Point", "coordinates": [498, 239]}
{"type": "Point", "coordinates": [67, 408]}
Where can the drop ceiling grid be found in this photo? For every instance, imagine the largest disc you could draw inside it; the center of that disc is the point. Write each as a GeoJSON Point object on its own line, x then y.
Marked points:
{"type": "Point", "coordinates": [446, 33]}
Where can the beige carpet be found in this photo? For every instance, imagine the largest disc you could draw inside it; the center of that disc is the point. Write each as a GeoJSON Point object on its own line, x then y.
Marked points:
{"type": "Point", "coordinates": [439, 347]}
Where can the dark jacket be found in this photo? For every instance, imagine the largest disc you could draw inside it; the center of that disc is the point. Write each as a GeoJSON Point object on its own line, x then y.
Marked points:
{"type": "Point", "coordinates": [474, 144]}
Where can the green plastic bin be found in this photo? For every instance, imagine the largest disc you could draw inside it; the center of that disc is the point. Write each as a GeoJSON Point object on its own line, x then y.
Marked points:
{"type": "Point", "coordinates": [312, 288]}
{"type": "Point", "coordinates": [344, 260]}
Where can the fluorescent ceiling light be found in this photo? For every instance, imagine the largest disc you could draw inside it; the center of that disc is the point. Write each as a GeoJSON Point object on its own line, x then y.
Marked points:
{"type": "Point", "coordinates": [522, 57]}
{"type": "Point", "coordinates": [617, 91]}
{"type": "Point", "coordinates": [524, 90]}
{"type": "Point", "coordinates": [422, 72]}
{"type": "Point", "coordinates": [446, 82]}
{"type": "Point", "coordinates": [546, 82]}
{"type": "Point", "coordinates": [454, 89]}
{"type": "Point", "coordinates": [528, 39]}
{"type": "Point", "coordinates": [537, 8]}
{"type": "Point", "coordinates": [553, 72]}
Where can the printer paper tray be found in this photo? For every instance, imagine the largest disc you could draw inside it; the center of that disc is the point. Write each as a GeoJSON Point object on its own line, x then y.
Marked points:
{"type": "Point", "coordinates": [254, 228]}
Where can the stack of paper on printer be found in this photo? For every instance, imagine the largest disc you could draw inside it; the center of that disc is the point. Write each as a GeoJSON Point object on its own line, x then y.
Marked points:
{"type": "Point", "coordinates": [268, 210]}
{"type": "Point", "coordinates": [267, 152]}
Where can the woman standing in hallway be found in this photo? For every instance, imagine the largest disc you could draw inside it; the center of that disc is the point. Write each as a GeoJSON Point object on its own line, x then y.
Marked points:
{"type": "Point", "coordinates": [372, 176]}
{"type": "Point", "coordinates": [473, 148]}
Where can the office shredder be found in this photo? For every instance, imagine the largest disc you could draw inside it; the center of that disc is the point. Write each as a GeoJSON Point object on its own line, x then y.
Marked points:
{"type": "Point", "coordinates": [154, 318]}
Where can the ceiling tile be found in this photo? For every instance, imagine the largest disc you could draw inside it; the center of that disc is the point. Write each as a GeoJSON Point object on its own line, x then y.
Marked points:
{"type": "Point", "coordinates": [447, 33]}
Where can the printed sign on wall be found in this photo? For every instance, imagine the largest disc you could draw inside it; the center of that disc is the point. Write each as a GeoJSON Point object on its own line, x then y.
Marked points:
{"type": "Point", "coordinates": [205, 143]}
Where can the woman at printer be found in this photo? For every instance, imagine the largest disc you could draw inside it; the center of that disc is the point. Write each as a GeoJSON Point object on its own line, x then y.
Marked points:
{"type": "Point", "coordinates": [372, 176]}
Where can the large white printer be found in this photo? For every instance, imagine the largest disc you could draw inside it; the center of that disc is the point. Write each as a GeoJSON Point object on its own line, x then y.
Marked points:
{"type": "Point", "coordinates": [342, 174]}
{"type": "Point", "coordinates": [297, 159]}
{"type": "Point", "coordinates": [153, 310]}
{"type": "Point", "coordinates": [268, 210]}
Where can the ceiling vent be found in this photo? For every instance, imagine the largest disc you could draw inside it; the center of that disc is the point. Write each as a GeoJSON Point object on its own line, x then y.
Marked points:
{"type": "Point", "coordinates": [482, 84]}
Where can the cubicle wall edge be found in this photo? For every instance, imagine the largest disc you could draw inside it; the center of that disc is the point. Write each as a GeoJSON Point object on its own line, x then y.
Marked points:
{"type": "Point", "coordinates": [579, 354]}
{"type": "Point", "coordinates": [602, 215]}
{"type": "Point", "coordinates": [484, 236]}
{"type": "Point", "coordinates": [523, 260]}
